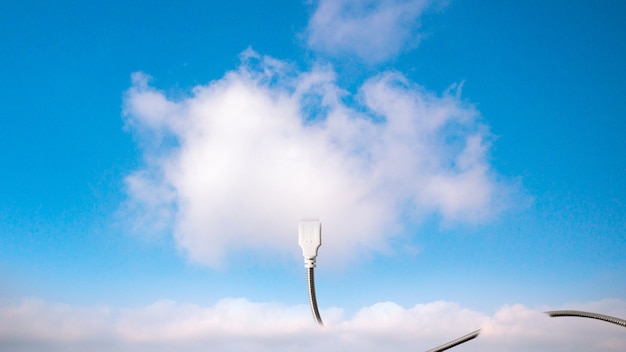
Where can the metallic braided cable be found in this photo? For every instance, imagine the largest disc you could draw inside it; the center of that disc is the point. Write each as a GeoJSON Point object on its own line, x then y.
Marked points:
{"type": "Point", "coordinates": [312, 298]}
{"type": "Point", "coordinates": [578, 313]}
{"type": "Point", "coordinates": [460, 340]}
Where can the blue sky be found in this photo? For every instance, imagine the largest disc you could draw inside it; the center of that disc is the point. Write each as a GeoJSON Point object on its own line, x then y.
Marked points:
{"type": "Point", "coordinates": [466, 161]}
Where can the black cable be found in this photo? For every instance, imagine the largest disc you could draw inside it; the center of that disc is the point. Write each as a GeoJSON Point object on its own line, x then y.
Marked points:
{"type": "Point", "coordinates": [460, 340]}
{"type": "Point", "coordinates": [312, 297]}
{"type": "Point", "coordinates": [578, 313]}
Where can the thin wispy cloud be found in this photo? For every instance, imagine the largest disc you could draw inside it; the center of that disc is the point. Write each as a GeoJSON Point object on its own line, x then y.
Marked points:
{"type": "Point", "coordinates": [236, 163]}
{"type": "Point", "coordinates": [373, 31]}
{"type": "Point", "coordinates": [238, 324]}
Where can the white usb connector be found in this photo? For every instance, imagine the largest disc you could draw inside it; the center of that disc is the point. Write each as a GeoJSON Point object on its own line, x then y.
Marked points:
{"type": "Point", "coordinates": [310, 240]}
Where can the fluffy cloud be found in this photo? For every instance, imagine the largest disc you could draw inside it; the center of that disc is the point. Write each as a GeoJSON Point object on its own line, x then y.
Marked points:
{"type": "Point", "coordinates": [237, 163]}
{"type": "Point", "coordinates": [238, 324]}
{"type": "Point", "coordinates": [374, 30]}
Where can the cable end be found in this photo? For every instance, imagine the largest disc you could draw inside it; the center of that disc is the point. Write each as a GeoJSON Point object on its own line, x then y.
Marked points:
{"type": "Point", "coordinates": [310, 240]}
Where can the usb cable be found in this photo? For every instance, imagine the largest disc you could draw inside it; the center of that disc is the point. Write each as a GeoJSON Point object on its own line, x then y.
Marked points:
{"type": "Point", "coordinates": [310, 240]}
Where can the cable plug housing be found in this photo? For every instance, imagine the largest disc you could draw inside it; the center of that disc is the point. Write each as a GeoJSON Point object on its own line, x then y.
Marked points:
{"type": "Point", "coordinates": [310, 240]}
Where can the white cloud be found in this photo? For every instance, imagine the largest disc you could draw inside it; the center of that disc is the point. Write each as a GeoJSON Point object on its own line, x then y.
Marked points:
{"type": "Point", "coordinates": [374, 30]}
{"type": "Point", "coordinates": [238, 324]}
{"type": "Point", "coordinates": [237, 163]}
